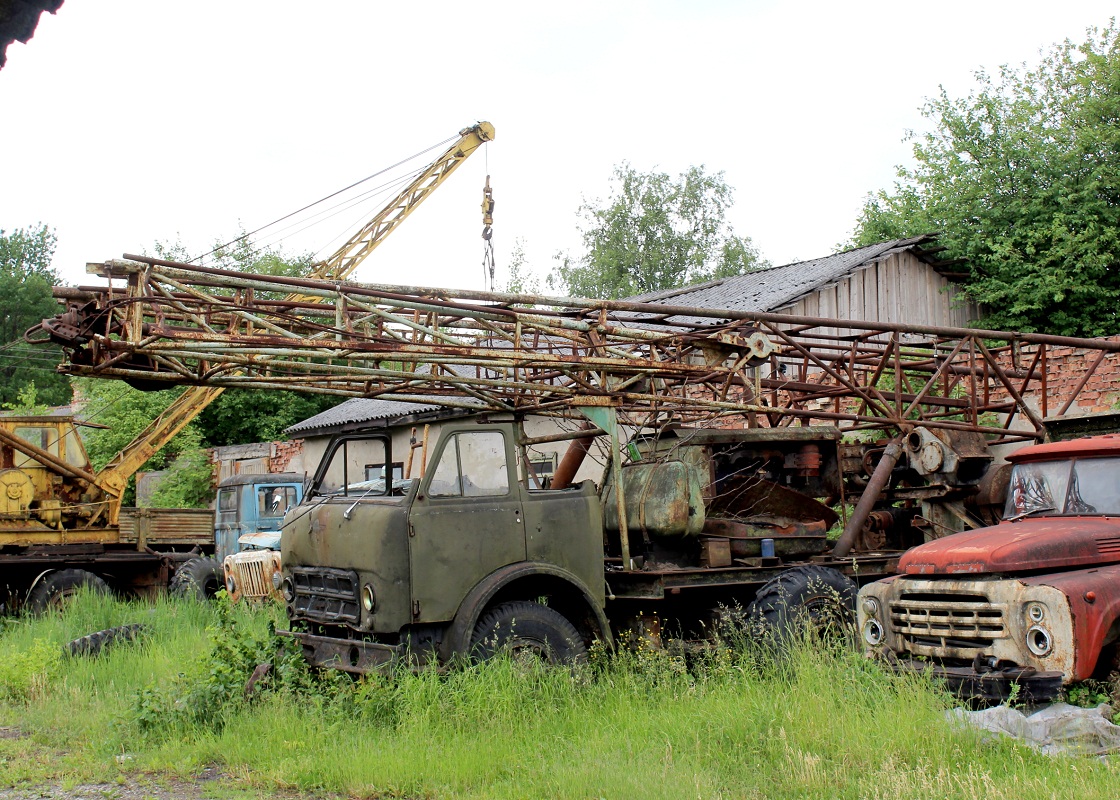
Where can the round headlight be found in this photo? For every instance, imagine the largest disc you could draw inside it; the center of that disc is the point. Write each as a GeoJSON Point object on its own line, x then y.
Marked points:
{"type": "Point", "coordinates": [873, 632]}
{"type": "Point", "coordinates": [367, 597]}
{"type": "Point", "coordinates": [1036, 612]}
{"type": "Point", "coordinates": [289, 590]}
{"type": "Point", "coordinates": [1039, 641]}
{"type": "Point", "coordinates": [231, 585]}
{"type": "Point", "coordinates": [871, 606]}
{"type": "Point", "coordinates": [276, 579]}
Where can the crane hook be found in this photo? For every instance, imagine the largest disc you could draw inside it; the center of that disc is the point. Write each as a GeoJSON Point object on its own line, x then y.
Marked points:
{"type": "Point", "coordinates": [488, 263]}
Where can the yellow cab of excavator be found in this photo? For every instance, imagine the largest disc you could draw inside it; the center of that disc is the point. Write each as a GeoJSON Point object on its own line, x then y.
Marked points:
{"type": "Point", "coordinates": [32, 450]}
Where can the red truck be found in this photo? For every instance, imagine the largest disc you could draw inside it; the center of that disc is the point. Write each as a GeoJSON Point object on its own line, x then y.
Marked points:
{"type": "Point", "coordinates": [1033, 602]}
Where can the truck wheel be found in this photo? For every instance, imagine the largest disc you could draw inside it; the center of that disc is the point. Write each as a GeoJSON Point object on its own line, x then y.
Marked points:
{"type": "Point", "coordinates": [52, 592]}
{"type": "Point", "coordinates": [821, 599]}
{"type": "Point", "coordinates": [524, 628]}
{"type": "Point", "coordinates": [199, 579]}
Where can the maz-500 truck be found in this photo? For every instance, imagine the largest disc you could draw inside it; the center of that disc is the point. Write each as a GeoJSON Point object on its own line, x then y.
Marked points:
{"type": "Point", "coordinates": [472, 557]}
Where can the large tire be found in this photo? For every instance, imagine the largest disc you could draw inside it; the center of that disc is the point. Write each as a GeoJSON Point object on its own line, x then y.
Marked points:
{"type": "Point", "coordinates": [198, 579]}
{"type": "Point", "coordinates": [817, 599]}
{"type": "Point", "coordinates": [94, 643]}
{"type": "Point", "coordinates": [524, 628]}
{"type": "Point", "coordinates": [56, 588]}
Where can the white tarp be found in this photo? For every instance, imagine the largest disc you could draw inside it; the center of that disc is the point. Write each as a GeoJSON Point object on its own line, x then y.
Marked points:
{"type": "Point", "coordinates": [1055, 729]}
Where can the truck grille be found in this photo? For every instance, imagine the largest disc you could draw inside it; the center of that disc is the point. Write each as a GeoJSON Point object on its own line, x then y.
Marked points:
{"type": "Point", "coordinates": [250, 574]}
{"type": "Point", "coordinates": [946, 620]}
{"type": "Point", "coordinates": [323, 594]}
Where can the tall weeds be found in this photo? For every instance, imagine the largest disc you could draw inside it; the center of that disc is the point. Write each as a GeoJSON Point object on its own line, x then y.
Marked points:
{"type": "Point", "coordinates": [724, 720]}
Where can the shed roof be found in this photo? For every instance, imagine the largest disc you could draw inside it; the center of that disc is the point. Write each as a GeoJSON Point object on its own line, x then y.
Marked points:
{"type": "Point", "coordinates": [775, 288]}
{"type": "Point", "coordinates": [360, 410]}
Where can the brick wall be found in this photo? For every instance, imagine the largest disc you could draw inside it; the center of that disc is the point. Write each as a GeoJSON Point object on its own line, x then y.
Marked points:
{"type": "Point", "coordinates": [283, 453]}
{"type": "Point", "coordinates": [1065, 367]}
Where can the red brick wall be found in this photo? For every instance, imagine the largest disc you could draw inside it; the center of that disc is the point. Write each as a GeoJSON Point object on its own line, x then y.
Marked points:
{"type": "Point", "coordinates": [283, 453]}
{"type": "Point", "coordinates": [1065, 367]}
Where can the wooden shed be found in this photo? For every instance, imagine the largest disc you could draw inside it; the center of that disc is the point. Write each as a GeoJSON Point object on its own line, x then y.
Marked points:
{"type": "Point", "coordinates": [895, 281]}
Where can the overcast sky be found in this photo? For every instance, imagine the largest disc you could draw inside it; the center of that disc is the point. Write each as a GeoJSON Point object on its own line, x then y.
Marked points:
{"type": "Point", "coordinates": [128, 123]}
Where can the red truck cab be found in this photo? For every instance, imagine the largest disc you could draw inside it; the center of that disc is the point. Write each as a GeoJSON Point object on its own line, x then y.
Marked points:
{"type": "Point", "coordinates": [1033, 601]}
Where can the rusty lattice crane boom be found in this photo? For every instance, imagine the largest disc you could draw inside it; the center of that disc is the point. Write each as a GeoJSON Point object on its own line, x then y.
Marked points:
{"type": "Point", "coordinates": [178, 324]}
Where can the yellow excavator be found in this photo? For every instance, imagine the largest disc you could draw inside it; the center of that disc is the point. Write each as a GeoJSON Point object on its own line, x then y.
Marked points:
{"type": "Point", "coordinates": [62, 525]}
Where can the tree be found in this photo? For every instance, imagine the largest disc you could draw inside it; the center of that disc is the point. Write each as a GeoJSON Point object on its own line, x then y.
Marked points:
{"type": "Point", "coordinates": [26, 281]}
{"type": "Point", "coordinates": [240, 416]}
{"type": "Point", "coordinates": [1022, 179]}
{"type": "Point", "coordinates": [655, 233]}
{"type": "Point", "coordinates": [521, 279]}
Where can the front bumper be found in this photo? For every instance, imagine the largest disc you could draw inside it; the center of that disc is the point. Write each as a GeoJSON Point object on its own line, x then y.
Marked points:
{"type": "Point", "coordinates": [348, 655]}
{"type": "Point", "coordinates": [989, 686]}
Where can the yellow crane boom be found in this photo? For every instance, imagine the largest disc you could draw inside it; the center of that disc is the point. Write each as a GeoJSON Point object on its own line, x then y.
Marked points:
{"type": "Point", "coordinates": [115, 475]}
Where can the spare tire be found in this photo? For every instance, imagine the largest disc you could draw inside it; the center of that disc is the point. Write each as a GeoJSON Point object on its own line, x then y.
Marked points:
{"type": "Point", "coordinates": [55, 588]}
{"type": "Point", "coordinates": [199, 578]}
{"type": "Point", "coordinates": [820, 599]}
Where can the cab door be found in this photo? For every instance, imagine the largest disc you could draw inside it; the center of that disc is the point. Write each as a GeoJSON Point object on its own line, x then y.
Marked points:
{"type": "Point", "coordinates": [227, 521]}
{"type": "Point", "coordinates": [465, 522]}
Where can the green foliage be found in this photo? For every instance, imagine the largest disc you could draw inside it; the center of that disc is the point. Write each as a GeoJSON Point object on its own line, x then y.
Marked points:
{"type": "Point", "coordinates": [26, 279]}
{"type": "Point", "coordinates": [125, 412]}
{"type": "Point", "coordinates": [215, 687]}
{"type": "Point", "coordinates": [241, 255]}
{"type": "Point", "coordinates": [1088, 694]}
{"type": "Point", "coordinates": [648, 723]}
{"type": "Point", "coordinates": [25, 674]}
{"type": "Point", "coordinates": [655, 233]}
{"type": "Point", "coordinates": [27, 402]}
{"type": "Point", "coordinates": [521, 278]}
{"type": "Point", "coordinates": [188, 483]}
{"type": "Point", "coordinates": [1022, 179]}
{"type": "Point", "coordinates": [240, 416]}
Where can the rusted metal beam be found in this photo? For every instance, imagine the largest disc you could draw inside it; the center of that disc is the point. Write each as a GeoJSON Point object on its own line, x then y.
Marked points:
{"type": "Point", "coordinates": [179, 324]}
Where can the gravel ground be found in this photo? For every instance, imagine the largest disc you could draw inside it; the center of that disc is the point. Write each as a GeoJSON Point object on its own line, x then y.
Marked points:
{"type": "Point", "coordinates": [141, 788]}
{"type": "Point", "coordinates": [175, 790]}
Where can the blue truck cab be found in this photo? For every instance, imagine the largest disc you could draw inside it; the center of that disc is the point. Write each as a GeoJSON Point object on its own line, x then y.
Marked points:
{"type": "Point", "coordinates": [253, 504]}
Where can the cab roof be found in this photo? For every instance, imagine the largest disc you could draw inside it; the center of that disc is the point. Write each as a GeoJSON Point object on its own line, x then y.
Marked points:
{"type": "Point", "coordinates": [262, 478]}
{"type": "Point", "coordinates": [1085, 447]}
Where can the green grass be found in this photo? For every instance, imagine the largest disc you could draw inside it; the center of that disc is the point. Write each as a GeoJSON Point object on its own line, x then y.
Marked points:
{"type": "Point", "coordinates": [647, 725]}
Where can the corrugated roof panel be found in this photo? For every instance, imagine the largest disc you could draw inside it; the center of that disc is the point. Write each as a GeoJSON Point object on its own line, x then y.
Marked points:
{"type": "Point", "coordinates": [776, 287]}
{"type": "Point", "coordinates": [360, 409]}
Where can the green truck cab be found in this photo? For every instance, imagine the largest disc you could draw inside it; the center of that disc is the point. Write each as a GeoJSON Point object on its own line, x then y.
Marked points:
{"type": "Point", "coordinates": [375, 569]}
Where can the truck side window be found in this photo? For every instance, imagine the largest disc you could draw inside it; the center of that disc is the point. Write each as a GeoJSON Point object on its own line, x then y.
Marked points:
{"type": "Point", "coordinates": [472, 465]}
{"type": "Point", "coordinates": [227, 505]}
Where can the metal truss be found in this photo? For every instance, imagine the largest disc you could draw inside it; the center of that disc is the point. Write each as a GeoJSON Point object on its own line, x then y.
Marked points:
{"type": "Point", "coordinates": [161, 323]}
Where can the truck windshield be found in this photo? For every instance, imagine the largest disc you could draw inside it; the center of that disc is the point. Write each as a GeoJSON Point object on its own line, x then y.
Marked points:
{"type": "Point", "coordinates": [1082, 486]}
{"type": "Point", "coordinates": [343, 469]}
{"type": "Point", "coordinates": [274, 501]}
